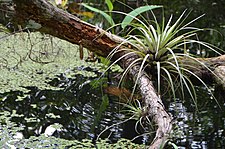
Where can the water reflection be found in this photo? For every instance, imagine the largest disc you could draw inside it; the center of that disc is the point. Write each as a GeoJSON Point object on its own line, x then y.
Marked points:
{"type": "Point", "coordinates": [202, 129]}
{"type": "Point", "coordinates": [75, 107]}
{"type": "Point", "coordinates": [75, 112]}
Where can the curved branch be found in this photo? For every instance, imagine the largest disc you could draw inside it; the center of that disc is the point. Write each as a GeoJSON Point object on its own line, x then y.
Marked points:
{"type": "Point", "coordinates": [154, 108]}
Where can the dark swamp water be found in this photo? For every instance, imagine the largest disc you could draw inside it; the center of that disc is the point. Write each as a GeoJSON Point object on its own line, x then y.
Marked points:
{"type": "Point", "coordinates": [84, 111]}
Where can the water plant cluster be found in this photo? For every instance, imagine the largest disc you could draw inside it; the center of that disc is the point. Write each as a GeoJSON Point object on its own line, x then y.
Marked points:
{"type": "Point", "coordinates": [35, 59]}
{"type": "Point", "coordinates": [11, 138]}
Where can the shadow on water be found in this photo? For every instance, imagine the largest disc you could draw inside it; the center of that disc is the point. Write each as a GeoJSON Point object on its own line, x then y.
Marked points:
{"type": "Point", "coordinates": [80, 109]}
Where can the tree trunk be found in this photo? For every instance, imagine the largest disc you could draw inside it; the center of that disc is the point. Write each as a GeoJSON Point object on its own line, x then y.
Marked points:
{"type": "Point", "coordinates": [44, 17]}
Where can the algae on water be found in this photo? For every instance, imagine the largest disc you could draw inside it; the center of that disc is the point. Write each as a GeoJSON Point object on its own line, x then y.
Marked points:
{"type": "Point", "coordinates": [12, 138]}
{"type": "Point", "coordinates": [35, 59]}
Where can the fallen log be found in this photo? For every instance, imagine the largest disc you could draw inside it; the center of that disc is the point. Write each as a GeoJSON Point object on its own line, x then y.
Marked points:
{"type": "Point", "coordinates": [208, 69]}
{"type": "Point", "coordinates": [218, 67]}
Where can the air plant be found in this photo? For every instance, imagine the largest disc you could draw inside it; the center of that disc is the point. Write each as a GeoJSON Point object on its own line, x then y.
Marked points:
{"type": "Point", "coordinates": [136, 110]}
{"type": "Point", "coordinates": [161, 48]}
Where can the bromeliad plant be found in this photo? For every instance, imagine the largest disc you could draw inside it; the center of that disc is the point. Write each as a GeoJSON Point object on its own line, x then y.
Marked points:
{"type": "Point", "coordinates": [161, 49]}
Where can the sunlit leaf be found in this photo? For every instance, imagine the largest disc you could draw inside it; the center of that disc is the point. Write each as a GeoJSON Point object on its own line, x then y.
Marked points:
{"type": "Point", "coordinates": [63, 4]}
{"type": "Point", "coordinates": [130, 16]}
{"type": "Point", "coordinates": [4, 29]}
{"type": "Point", "coordinates": [109, 4]}
{"type": "Point", "coordinates": [86, 14]}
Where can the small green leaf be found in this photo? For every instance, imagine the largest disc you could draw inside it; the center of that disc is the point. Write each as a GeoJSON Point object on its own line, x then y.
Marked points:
{"type": "Point", "coordinates": [105, 15]}
{"type": "Point", "coordinates": [109, 4]}
{"type": "Point", "coordinates": [130, 16]}
{"type": "Point", "coordinates": [4, 29]}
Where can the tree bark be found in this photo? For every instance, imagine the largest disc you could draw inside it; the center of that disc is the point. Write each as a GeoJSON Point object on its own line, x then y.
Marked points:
{"type": "Point", "coordinates": [218, 66]}
{"type": "Point", "coordinates": [61, 24]}
{"type": "Point", "coordinates": [220, 79]}
{"type": "Point", "coordinates": [46, 18]}
{"type": "Point", "coordinates": [155, 108]}
{"type": "Point", "coordinates": [208, 69]}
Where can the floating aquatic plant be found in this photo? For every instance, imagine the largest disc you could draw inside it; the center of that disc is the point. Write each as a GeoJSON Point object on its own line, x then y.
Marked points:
{"type": "Point", "coordinates": [35, 59]}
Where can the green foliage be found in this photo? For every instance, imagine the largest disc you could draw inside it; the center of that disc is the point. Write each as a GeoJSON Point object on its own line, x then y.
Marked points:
{"type": "Point", "coordinates": [105, 15]}
{"type": "Point", "coordinates": [109, 4]}
{"type": "Point", "coordinates": [122, 143]}
{"type": "Point", "coordinates": [161, 49]}
{"type": "Point", "coordinates": [134, 109]}
{"type": "Point", "coordinates": [131, 15]}
{"type": "Point", "coordinates": [9, 131]}
{"type": "Point", "coordinates": [100, 111]}
{"type": "Point", "coordinates": [4, 29]}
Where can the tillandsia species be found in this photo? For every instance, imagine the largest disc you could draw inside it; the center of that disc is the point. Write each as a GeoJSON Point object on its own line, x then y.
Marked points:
{"type": "Point", "coordinates": [161, 47]}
